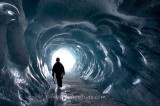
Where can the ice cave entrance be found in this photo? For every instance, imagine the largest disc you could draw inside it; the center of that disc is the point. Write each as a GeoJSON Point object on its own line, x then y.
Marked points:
{"type": "Point", "coordinates": [66, 58]}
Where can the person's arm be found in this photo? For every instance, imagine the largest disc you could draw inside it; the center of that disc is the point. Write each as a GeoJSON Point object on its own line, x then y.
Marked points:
{"type": "Point", "coordinates": [63, 71]}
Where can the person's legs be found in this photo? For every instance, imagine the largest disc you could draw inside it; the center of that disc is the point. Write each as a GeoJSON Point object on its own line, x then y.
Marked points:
{"type": "Point", "coordinates": [59, 81]}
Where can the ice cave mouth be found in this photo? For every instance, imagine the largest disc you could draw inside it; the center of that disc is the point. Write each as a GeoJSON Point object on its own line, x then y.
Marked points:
{"type": "Point", "coordinates": [114, 44]}
{"type": "Point", "coordinates": [67, 58]}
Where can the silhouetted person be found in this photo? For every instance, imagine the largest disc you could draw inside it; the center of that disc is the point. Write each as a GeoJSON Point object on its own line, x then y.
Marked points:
{"type": "Point", "coordinates": [58, 69]}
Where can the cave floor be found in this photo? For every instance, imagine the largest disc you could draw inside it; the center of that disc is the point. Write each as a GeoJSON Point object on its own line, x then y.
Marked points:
{"type": "Point", "coordinates": [75, 92]}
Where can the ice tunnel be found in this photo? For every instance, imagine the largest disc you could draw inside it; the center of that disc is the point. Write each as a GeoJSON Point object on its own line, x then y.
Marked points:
{"type": "Point", "coordinates": [113, 44]}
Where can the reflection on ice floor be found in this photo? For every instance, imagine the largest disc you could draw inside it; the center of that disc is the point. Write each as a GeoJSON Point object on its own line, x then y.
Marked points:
{"type": "Point", "coordinates": [76, 93]}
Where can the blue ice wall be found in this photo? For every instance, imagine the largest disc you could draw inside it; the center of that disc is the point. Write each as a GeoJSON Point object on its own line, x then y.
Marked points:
{"type": "Point", "coordinates": [116, 44]}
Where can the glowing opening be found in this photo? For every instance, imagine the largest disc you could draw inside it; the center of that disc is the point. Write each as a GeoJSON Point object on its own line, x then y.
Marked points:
{"type": "Point", "coordinates": [66, 58]}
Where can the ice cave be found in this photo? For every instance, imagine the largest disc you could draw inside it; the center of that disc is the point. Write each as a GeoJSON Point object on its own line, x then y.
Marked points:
{"type": "Point", "coordinates": [108, 47]}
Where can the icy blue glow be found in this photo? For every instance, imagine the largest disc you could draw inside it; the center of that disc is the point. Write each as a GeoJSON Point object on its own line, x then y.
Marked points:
{"type": "Point", "coordinates": [66, 58]}
{"type": "Point", "coordinates": [113, 44]}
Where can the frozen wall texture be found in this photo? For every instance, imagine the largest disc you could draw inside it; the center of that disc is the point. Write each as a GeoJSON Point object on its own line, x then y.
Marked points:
{"type": "Point", "coordinates": [116, 44]}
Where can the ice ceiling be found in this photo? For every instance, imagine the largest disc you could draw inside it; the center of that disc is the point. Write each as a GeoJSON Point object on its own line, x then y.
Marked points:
{"type": "Point", "coordinates": [114, 44]}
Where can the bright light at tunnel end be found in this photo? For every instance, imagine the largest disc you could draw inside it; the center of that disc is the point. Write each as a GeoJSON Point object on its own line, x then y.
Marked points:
{"type": "Point", "coordinates": [66, 58]}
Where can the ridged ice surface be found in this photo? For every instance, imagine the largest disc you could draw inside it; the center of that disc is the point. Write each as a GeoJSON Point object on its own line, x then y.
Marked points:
{"type": "Point", "coordinates": [116, 44]}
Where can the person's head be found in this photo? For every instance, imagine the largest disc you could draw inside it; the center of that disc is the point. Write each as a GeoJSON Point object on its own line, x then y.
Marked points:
{"type": "Point", "coordinates": [57, 59]}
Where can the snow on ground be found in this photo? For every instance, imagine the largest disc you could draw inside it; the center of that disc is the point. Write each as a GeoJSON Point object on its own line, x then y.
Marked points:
{"type": "Point", "coordinates": [75, 92]}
